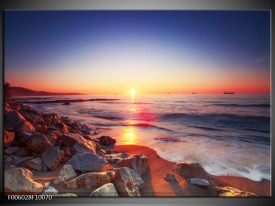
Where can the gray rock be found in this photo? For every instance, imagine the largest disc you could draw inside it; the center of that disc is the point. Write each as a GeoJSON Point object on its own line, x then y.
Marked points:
{"type": "Point", "coordinates": [20, 160]}
{"type": "Point", "coordinates": [66, 173]}
{"type": "Point", "coordinates": [189, 170]}
{"type": "Point", "coordinates": [82, 144]}
{"type": "Point", "coordinates": [13, 119]}
{"type": "Point", "coordinates": [38, 143]}
{"type": "Point", "coordinates": [115, 157]}
{"type": "Point", "coordinates": [105, 190]}
{"type": "Point", "coordinates": [137, 162]}
{"type": "Point", "coordinates": [20, 180]}
{"type": "Point", "coordinates": [125, 183]}
{"type": "Point", "coordinates": [8, 138]}
{"type": "Point", "coordinates": [52, 156]}
{"type": "Point", "coordinates": [91, 179]}
{"type": "Point", "coordinates": [11, 150]}
{"type": "Point", "coordinates": [87, 162]}
{"type": "Point", "coordinates": [199, 182]}
{"type": "Point", "coordinates": [35, 164]}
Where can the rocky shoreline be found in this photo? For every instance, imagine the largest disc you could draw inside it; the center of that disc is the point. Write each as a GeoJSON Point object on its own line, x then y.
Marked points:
{"type": "Point", "coordinates": [49, 154]}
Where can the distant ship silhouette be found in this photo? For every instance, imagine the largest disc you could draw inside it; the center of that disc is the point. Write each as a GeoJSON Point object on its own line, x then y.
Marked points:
{"type": "Point", "coordinates": [229, 92]}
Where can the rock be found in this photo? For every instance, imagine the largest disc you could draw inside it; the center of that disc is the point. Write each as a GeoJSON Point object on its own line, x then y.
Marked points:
{"type": "Point", "coordinates": [91, 179]}
{"type": "Point", "coordinates": [25, 127]}
{"type": "Point", "coordinates": [199, 182]}
{"type": "Point", "coordinates": [87, 162]}
{"type": "Point", "coordinates": [66, 119]}
{"type": "Point", "coordinates": [81, 148]}
{"type": "Point", "coordinates": [63, 127]}
{"type": "Point", "coordinates": [189, 170]}
{"type": "Point", "coordinates": [125, 183]}
{"type": "Point", "coordinates": [138, 180]}
{"type": "Point", "coordinates": [53, 136]}
{"type": "Point", "coordinates": [115, 157]}
{"type": "Point", "coordinates": [106, 140]}
{"type": "Point", "coordinates": [52, 117]}
{"type": "Point", "coordinates": [42, 128]}
{"type": "Point", "coordinates": [8, 138]}
{"type": "Point", "coordinates": [11, 150]}
{"type": "Point", "coordinates": [233, 192]}
{"type": "Point", "coordinates": [66, 173]}
{"type": "Point", "coordinates": [52, 156]}
{"type": "Point", "coordinates": [68, 152]}
{"type": "Point", "coordinates": [50, 191]}
{"type": "Point", "coordinates": [105, 190]}
{"type": "Point", "coordinates": [66, 195]}
{"type": "Point", "coordinates": [20, 180]}
{"type": "Point", "coordinates": [35, 164]}
{"type": "Point", "coordinates": [136, 162]}
{"type": "Point", "coordinates": [38, 143]}
{"type": "Point", "coordinates": [21, 152]}
{"type": "Point", "coordinates": [170, 177]}
{"type": "Point", "coordinates": [12, 119]}
{"type": "Point", "coordinates": [19, 160]}
{"type": "Point", "coordinates": [23, 138]}
{"type": "Point", "coordinates": [83, 145]}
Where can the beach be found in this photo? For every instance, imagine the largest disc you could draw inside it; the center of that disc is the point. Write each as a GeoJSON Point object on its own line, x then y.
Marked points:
{"type": "Point", "coordinates": [49, 154]}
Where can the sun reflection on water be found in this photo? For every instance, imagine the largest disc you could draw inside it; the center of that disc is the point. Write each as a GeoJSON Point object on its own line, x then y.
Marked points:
{"type": "Point", "coordinates": [129, 136]}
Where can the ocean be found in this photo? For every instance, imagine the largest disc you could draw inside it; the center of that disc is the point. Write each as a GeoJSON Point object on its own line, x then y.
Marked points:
{"type": "Point", "coordinates": [229, 134]}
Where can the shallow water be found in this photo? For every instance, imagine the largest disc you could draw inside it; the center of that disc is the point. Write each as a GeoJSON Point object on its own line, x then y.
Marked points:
{"type": "Point", "coordinates": [227, 134]}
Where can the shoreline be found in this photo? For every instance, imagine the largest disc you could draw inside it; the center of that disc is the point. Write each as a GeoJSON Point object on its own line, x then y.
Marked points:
{"type": "Point", "coordinates": [261, 188]}
{"type": "Point", "coordinates": [43, 145]}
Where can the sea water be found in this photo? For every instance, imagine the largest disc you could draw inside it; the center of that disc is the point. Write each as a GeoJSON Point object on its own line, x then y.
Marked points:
{"type": "Point", "coordinates": [229, 134]}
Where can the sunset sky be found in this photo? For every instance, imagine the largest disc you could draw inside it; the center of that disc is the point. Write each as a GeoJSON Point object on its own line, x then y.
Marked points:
{"type": "Point", "coordinates": [110, 52]}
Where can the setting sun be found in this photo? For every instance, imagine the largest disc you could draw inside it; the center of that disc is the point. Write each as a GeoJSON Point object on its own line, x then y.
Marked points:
{"type": "Point", "coordinates": [133, 92]}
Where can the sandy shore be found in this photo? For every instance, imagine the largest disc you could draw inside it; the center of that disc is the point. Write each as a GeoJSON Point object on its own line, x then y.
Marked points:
{"type": "Point", "coordinates": [156, 185]}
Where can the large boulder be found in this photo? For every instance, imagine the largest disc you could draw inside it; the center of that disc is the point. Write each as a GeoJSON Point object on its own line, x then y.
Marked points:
{"type": "Point", "coordinates": [20, 180]}
{"type": "Point", "coordinates": [105, 190]}
{"type": "Point", "coordinates": [12, 119]}
{"type": "Point", "coordinates": [233, 192]}
{"type": "Point", "coordinates": [137, 162]}
{"type": "Point", "coordinates": [127, 182]}
{"type": "Point", "coordinates": [87, 162]}
{"type": "Point", "coordinates": [25, 127]}
{"type": "Point", "coordinates": [82, 144]}
{"type": "Point", "coordinates": [66, 173]}
{"type": "Point", "coordinates": [8, 138]}
{"type": "Point", "coordinates": [38, 143]}
{"type": "Point", "coordinates": [52, 156]}
{"type": "Point", "coordinates": [91, 179]}
{"type": "Point", "coordinates": [106, 140]}
{"type": "Point", "coordinates": [10, 150]}
{"type": "Point", "coordinates": [20, 160]}
{"type": "Point", "coordinates": [35, 164]}
{"type": "Point", "coordinates": [189, 170]}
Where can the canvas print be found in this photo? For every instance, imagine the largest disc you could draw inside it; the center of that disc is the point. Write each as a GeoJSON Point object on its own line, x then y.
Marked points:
{"type": "Point", "coordinates": [133, 103]}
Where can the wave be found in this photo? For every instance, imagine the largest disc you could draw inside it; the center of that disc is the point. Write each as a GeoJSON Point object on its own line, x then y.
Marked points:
{"type": "Point", "coordinates": [206, 128]}
{"type": "Point", "coordinates": [212, 121]}
{"type": "Point", "coordinates": [243, 105]}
